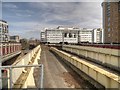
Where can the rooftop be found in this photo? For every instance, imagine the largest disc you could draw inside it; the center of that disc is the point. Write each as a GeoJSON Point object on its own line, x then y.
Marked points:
{"type": "Point", "coordinates": [3, 21]}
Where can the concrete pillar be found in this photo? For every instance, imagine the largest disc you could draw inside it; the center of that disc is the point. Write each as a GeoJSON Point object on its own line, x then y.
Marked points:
{"type": "Point", "coordinates": [14, 47]}
{"type": "Point", "coordinates": [5, 49]}
{"type": "Point", "coordinates": [9, 48]}
{"type": "Point", "coordinates": [1, 51]}
{"type": "Point", "coordinates": [67, 34]}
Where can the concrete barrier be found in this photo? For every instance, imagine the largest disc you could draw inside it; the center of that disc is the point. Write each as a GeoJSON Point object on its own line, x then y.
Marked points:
{"type": "Point", "coordinates": [105, 78]}
{"type": "Point", "coordinates": [9, 56]}
{"type": "Point", "coordinates": [104, 56]}
{"type": "Point", "coordinates": [25, 60]}
{"type": "Point", "coordinates": [30, 82]}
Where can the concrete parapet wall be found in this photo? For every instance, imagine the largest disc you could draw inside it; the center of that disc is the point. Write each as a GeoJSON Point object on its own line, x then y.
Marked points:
{"type": "Point", "coordinates": [30, 82]}
{"type": "Point", "coordinates": [9, 56]}
{"type": "Point", "coordinates": [25, 60]}
{"type": "Point", "coordinates": [105, 56]}
{"type": "Point", "coordinates": [105, 78]}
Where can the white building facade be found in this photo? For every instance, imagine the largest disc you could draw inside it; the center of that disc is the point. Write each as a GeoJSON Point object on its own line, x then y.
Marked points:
{"type": "Point", "coordinates": [90, 35]}
{"type": "Point", "coordinates": [4, 35]}
{"type": "Point", "coordinates": [59, 35]}
{"type": "Point", "coordinates": [85, 35]}
{"type": "Point", "coordinates": [97, 36]}
{"type": "Point", "coordinates": [43, 37]}
{"type": "Point", "coordinates": [71, 35]}
{"type": "Point", "coordinates": [14, 38]}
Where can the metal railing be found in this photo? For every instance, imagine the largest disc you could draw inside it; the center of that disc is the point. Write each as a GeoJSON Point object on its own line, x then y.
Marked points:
{"type": "Point", "coordinates": [9, 76]}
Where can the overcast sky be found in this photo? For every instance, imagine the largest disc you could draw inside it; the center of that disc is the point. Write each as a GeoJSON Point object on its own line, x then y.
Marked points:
{"type": "Point", "coordinates": [28, 18]}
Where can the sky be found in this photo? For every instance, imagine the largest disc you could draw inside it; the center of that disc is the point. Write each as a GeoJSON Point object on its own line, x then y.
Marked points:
{"type": "Point", "coordinates": [27, 19]}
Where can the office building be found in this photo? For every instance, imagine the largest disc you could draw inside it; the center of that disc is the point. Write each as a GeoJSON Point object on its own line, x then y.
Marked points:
{"type": "Point", "coordinates": [97, 35]}
{"type": "Point", "coordinates": [71, 35]}
{"type": "Point", "coordinates": [43, 37]}
{"type": "Point", "coordinates": [61, 34]}
{"type": "Point", "coordinates": [90, 35]}
{"type": "Point", "coordinates": [14, 38]}
{"type": "Point", "coordinates": [4, 35]}
{"type": "Point", "coordinates": [85, 35]}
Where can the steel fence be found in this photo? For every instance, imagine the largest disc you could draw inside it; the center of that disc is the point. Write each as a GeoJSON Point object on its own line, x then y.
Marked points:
{"type": "Point", "coordinates": [7, 71]}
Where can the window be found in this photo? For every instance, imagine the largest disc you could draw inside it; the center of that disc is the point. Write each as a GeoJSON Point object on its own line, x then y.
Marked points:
{"type": "Point", "coordinates": [119, 6]}
{"type": "Point", "coordinates": [65, 35]}
{"type": "Point", "coordinates": [70, 35]}
{"type": "Point", "coordinates": [108, 19]}
{"type": "Point", "coordinates": [108, 24]}
{"type": "Point", "coordinates": [108, 29]}
{"type": "Point", "coordinates": [108, 8]}
{"type": "Point", "coordinates": [74, 35]}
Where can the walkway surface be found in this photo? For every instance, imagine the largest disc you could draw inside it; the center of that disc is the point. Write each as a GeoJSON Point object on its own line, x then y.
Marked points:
{"type": "Point", "coordinates": [56, 73]}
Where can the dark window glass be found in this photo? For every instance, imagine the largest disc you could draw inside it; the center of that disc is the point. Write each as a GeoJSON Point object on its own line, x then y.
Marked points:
{"type": "Point", "coordinates": [65, 35]}
{"type": "Point", "coordinates": [70, 35]}
{"type": "Point", "coordinates": [119, 6]}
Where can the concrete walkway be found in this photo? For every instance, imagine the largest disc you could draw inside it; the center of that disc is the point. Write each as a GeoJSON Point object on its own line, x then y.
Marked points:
{"type": "Point", "coordinates": [56, 73]}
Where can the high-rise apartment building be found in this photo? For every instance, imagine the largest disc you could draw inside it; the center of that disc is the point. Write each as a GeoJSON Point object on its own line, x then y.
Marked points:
{"type": "Point", "coordinates": [111, 22]}
{"type": "Point", "coordinates": [4, 35]}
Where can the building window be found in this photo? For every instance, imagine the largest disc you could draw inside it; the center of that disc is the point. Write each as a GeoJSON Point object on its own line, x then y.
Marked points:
{"type": "Point", "coordinates": [108, 8]}
{"type": "Point", "coordinates": [65, 35]}
{"type": "Point", "coordinates": [108, 19]}
{"type": "Point", "coordinates": [108, 24]}
{"type": "Point", "coordinates": [70, 35]}
{"type": "Point", "coordinates": [119, 6]}
{"type": "Point", "coordinates": [108, 29]}
{"type": "Point", "coordinates": [74, 35]}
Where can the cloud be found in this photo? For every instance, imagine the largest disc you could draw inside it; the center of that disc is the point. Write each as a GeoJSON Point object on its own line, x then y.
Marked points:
{"type": "Point", "coordinates": [31, 17]}
{"type": "Point", "coordinates": [60, 0]}
{"type": "Point", "coordinates": [70, 13]}
{"type": "Point", "coordinates": [0, 10]}
{"type": "Point", "coordinates": [56, 0]}
{"type": "Point", "coordinates": [23, 15]}
{"type": "Point", "coordinates": [9, 5]}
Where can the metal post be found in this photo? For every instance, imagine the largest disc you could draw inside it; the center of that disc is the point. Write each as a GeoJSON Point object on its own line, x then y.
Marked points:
{"type": "Point", "coordinates": [10, 75]}
{"type": "Point", "coordinates": [41, 77]}
{"type": "Point", "coordinates": [0, 75]}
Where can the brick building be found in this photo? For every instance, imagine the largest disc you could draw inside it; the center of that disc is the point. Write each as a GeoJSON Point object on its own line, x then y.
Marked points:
{"type": "Point", "coordinates": [111, 22]}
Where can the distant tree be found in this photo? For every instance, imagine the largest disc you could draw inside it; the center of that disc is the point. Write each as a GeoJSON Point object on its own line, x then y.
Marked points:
{"type": "Point", "coordinates": [24, 43]}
